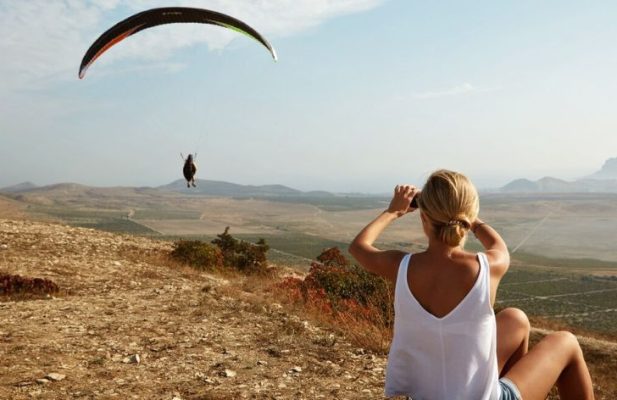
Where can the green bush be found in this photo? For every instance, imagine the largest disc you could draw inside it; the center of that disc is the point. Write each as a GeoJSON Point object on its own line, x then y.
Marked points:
{"type": "Point", "coordinates": [198, 254]}
{"type": "Point", "coordinates": [224, 251]}
{"type": "Point", "coordinates": [246, 257]}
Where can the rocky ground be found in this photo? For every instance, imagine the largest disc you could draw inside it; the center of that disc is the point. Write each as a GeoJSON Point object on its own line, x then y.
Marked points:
{"type": "Point", "coordinates": [128, 323]}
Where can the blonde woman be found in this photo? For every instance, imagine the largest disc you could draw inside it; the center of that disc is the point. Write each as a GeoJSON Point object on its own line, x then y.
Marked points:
{"type": "Point", "coordinates": [448, 343]}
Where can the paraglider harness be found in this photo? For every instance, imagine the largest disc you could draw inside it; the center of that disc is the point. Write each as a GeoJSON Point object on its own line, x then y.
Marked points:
{"type": "Point", "coordinates": [189, 169]}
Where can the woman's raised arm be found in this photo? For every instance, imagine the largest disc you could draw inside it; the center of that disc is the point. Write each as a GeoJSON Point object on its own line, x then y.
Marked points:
{"type": "Point", "coordinates": [383, 262]}
{"type": "Point", "coordinates": [495, 248]}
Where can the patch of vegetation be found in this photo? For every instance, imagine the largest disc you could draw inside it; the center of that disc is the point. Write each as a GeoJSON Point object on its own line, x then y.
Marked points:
{"type": "Point", "coordinates": [20, 287]}
{"type": "Point", "coordinates": [118, 225]}
{"type": "Point", "coordinates": [358, 302]}
{"type": "Point", "coordinates": [582, 302]}
{"type": "Point", "coordinates": [115, 221]}
{"type": "Point", "coordinates": [566, 263]}
{"type": "Point", "coordinates": [224, 251]}
{"type": "Point", "coordinates": [198, 254]}
{"type": "Point", "coordinates": [166, 213]}
{"type": "Point", "coordinates": [336, 202]}
{"type": "Point", "coordinates": [241, 255]}
{"type": "Point", "coordinates": [299, 244]}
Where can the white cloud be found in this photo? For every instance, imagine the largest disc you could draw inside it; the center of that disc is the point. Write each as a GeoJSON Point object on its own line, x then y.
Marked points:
{"type": "Point", "coordinates": [43, 40]}
{"type": "Point", "coordinates": [465, 88]}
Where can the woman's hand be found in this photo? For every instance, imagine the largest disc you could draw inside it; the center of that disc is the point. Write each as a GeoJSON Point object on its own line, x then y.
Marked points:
{"type": "Point", "coordinates": [401, 201]}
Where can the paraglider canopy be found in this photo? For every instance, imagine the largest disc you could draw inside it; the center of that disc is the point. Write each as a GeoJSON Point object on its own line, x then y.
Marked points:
{"type": "Point", "coordinates": [161, 16]}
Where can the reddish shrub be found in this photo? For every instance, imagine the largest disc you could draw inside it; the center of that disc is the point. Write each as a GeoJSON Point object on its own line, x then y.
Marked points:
{"type": "Point", "coordinates": [335, 285]}
{"type": "Point", "coordinates": [19, 286]}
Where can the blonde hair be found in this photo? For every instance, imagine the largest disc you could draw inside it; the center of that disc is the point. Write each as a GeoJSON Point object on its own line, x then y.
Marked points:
{"type": "Point", "coordinates": [451, 203]}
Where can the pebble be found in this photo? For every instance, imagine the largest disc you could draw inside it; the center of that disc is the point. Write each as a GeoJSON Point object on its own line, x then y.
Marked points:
{"type": "Point", "coordinates": [296, 369]}
{"type": "Point", "coordinates": [42, 381]}
{"type": "Point", "coordinates": [4, 246]}
{"type": "Point", "coordinates": [55, 377]}
{"type": "Point", "coordinates": [134, 359]}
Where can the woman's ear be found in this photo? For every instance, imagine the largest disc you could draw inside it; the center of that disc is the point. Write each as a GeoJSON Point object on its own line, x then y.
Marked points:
{"type": "Point", "coordinates": [426, 224]}
{"type": "Point", "coordinates": [423, 218]}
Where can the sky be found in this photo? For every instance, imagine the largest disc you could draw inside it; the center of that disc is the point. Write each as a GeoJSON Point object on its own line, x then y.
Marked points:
{"type": "Point", "coordinates": [366, 93]}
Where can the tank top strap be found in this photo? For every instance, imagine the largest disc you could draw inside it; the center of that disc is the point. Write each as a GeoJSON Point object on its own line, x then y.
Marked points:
{"type": "Point", "coordinates": [401, 276]}
{"type": "Point", "coordinates": [484, 267]}
{"type": "Point", "coordinates": [485, 276]}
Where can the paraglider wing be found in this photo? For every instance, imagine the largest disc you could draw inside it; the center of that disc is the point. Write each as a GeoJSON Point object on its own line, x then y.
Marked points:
{"type": "Point", "coordinates": [161, 16]}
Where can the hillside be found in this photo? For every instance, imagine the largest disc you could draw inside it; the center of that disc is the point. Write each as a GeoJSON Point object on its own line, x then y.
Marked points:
{"type": "Point", "coordinates": [197, 335]}
{"type": "Point", "coordinates": [18, 187]}
{"type": "Point", "coordinates": [220, 188]}
{"type": "Point", "coordinates": [608, 170]}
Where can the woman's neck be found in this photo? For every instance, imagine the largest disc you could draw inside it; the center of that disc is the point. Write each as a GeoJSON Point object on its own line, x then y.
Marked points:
{"type": "Point", "coordinates": [438, 248]}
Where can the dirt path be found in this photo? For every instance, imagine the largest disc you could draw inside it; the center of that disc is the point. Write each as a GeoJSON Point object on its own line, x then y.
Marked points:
{"type": "Point", "coordinates": [195, 334]}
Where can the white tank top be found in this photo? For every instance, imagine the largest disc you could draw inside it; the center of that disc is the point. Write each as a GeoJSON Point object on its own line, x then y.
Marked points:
{"type": "Point", "coordinates": [453, 357]}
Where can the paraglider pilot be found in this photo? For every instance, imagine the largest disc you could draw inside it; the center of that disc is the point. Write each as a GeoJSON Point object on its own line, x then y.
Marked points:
{"type": "Point", "coordinates": [189, 170]}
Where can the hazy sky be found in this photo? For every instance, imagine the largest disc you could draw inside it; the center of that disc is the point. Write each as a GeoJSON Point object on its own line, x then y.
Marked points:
{"type": "Point", "coordinates": [366, 93]}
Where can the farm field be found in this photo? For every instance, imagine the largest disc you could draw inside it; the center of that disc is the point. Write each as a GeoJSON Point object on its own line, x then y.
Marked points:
{"type": "Point", "coordinates": [580, 301]}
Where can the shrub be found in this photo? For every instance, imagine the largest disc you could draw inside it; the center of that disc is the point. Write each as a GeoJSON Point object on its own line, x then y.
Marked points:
{"type": "Point", "coordinates": [246, 257]}
{"type": "Point", "coordinates": [334, 284]}
{"type": "Point", "coordinates": [224, 251]}
{"type": "Point", "coordinates": [198, 254]}
{"type": "Point", "coordinates": [20, 286]}
{"type": "Point", "coordinates": [357, 303]}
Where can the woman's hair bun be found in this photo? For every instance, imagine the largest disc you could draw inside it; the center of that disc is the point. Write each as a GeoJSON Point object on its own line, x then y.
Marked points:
{"type": "Point", "coordinates": [450, 201]}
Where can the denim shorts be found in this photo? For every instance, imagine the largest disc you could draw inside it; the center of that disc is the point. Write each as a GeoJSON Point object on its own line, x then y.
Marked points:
{"type": "Point", "coordinates": [509, 391]}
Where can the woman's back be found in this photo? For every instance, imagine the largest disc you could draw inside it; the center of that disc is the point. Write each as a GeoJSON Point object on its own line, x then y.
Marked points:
{"type": "Point", "coordinates": [440, 283]}
{"type": "Point", "coordinates": [443, 349]}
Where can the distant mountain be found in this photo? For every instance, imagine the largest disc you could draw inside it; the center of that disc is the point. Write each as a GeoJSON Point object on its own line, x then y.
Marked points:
{"type": "Point", "coordinates": [591, 184]}
{"type": "Point", "coordinates": [227, 189]}
{"type": "Point", "coordinates": [20, 187]}
{"type": "Point", "coordinates": [608, 170]}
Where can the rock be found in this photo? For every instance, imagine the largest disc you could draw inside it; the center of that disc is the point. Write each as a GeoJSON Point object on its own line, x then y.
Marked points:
{"type": "Point", "coordinates": [296, 369]}
{"type": "Point", "coordinates": [134, 359]}
{"type": "Point", "coordinates": [42, 381]}
{"type": "Point", "coordinates": [4, 246]}
{"type": "Point", "coordinates": [117, 264]}
{"type": "Point", "coordinates": [25, 383]}
{"type": "Point", "coordinates": [260, 362]}
{"type": "Point", "coordinates": [55, 377]}
{"type": "Point", "coordinates": [228, 373]}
